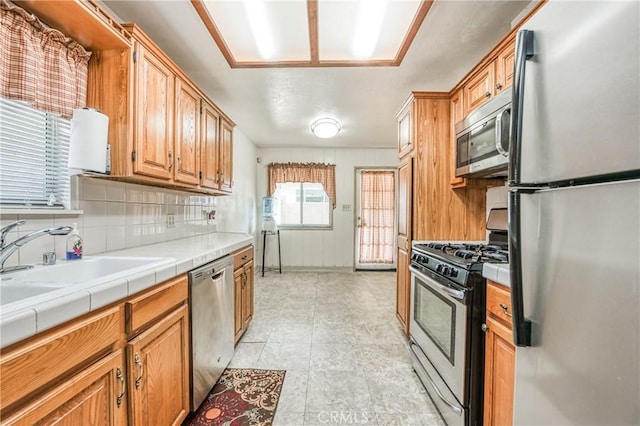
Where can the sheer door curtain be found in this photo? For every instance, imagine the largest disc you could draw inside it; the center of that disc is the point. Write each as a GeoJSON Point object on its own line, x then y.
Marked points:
{"type": "Point", "coordinates": [377, 208]}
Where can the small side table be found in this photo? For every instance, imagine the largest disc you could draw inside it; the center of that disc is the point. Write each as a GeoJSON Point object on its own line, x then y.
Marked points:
{"type": "Point", "coordinates": [264, 247]}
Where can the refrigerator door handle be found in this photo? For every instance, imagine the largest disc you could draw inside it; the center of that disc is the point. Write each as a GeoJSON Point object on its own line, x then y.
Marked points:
{"type": "Point", "coordinates": [524, 51]}
{"type": "Point", "coordinates": [521, 326]}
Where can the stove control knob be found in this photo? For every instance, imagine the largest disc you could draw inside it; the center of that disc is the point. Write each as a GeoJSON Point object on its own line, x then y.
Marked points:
{"type": "Point", "coordinates": [446, 271]}
{"type": "Point", "coordinates": [424, 259]}
{"type": "Point", "coordinates": [454, 273]}
{"type": "Point", "coordinates": [439, 268]}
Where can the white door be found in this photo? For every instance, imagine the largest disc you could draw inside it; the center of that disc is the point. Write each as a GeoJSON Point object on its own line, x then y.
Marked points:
{"type": "Point", "coordinates": [375, 218]}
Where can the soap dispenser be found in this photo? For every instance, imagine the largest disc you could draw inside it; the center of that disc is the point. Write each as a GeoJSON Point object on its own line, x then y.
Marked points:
{"type": "Point", "coordinates": [74, 244]}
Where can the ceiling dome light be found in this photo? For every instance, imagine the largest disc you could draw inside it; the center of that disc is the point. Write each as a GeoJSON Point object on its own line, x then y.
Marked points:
{"type": "Point", "coordinates": [325, 127]}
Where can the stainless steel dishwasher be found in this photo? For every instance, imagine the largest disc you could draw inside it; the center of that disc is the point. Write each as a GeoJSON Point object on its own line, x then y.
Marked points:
{"type": "Point", "coordinates": [211, 315]}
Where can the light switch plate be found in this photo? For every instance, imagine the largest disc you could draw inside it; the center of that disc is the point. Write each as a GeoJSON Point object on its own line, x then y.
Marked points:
{"type": "Point", "coordinates": [346, 207]}
{"type": "Point", "coordinates": [171, 220]}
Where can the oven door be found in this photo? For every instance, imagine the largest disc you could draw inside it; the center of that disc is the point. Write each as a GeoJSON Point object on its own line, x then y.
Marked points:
{"type": "Point", "coordinates": [439, 323]}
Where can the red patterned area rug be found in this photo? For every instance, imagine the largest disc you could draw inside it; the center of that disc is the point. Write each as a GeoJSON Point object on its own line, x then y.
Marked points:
{"type": "Point", "coordinates": [242, 397]}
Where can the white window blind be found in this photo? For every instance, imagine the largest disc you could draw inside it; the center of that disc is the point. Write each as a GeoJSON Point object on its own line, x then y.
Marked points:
{"type": "Point", "coordinates": [34, 153]}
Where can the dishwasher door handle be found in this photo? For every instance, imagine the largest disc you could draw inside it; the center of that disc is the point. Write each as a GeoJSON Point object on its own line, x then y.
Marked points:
{"type": "Point", "coordinates": [216, 276]}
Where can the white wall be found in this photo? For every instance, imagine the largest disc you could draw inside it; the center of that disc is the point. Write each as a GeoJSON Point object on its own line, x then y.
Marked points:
{"type": "Point", "coordinates": [320, 248]}
{"type": "Point", "coordinates": [237, 212]}
{"type": "Point", "coordinates": [121, 215]}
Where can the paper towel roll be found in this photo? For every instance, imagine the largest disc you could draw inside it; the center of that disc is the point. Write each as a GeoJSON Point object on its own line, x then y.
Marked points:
{"type": "Point", "coordinates": [88, 145]}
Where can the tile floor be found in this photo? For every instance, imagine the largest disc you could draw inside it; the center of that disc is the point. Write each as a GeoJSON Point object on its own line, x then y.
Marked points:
{"type": "Point", "coordinates": [337, 337]}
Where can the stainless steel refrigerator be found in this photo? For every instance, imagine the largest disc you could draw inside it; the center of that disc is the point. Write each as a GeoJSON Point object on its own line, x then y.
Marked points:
{"type": "Point", "coordinates": [574, 215]}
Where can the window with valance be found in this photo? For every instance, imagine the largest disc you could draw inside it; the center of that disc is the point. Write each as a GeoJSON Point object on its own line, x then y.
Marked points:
{"type": "Point", "coordinates": [43, 78]}
{"type": "Point", "coordinates": [306, 193]}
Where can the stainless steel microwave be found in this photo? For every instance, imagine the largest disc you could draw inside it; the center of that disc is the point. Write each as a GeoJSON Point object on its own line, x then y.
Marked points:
{"type": "Point", "coordinates": [482, 139]}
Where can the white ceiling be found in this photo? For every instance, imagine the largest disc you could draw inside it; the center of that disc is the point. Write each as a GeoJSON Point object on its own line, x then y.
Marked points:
{"type": "Point", "coordinates": [274, 107]}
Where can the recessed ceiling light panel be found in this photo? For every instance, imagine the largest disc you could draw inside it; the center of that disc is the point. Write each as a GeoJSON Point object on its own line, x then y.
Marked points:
{"type": "Point", "coordinates": [325, 127]}
{"type": "Point", "coordinates": [368, 26]}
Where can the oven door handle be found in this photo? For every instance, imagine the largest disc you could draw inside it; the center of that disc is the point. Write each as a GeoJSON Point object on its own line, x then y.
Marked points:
{"type": "Point", "coordinates": [451, 405]}
{"type": "Point", "coordinates": [456, 294]}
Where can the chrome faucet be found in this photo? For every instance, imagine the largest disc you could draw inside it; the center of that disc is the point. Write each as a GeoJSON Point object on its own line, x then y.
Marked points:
{"type": "Point", "coordinates": [9, 249]}
{"type": "Point", "coordinates": [6, 229]}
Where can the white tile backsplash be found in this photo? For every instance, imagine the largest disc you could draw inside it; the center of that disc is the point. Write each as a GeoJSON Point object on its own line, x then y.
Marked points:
{"type": "Point", "coordinates": [116, 214]}
{"type": "Point", "coordinates": [95, 213]}
{"type": "Point", "coordinates": [94, 240]}
{"type": "Point", "coordinates": [117, 191]}
{"type": "Point", "coordinates": [93, 189]}
{"type": "Point", "coordinates": [116, 237]}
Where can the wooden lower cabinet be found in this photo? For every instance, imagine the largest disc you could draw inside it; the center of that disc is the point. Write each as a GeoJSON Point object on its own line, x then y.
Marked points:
{"type": "Point", "coordinates": [243, 277]}
{"type": "Point", "coordinates": [403, 289]}
{"type": "Point", "coordinates": [247, 296]}
{"type": "Point", "coordinates": [500, 358]}
{"type": "Point", "coordinates": [238, 285]}
{"type": "Point", "coordinates": [158, 364]}
{"type": "Point", "coordinates": [95, 396]}
{"type": "Point", "coordinates": [77, 373]}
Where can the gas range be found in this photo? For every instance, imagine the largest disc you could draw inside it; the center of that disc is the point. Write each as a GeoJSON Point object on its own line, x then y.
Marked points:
{"type": "Point", "coordinates": [456, 260]}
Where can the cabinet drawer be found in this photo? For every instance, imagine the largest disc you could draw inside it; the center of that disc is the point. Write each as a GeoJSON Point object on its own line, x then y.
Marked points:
{"type": "Point", "coordinates": [152, 304]}
{"type": "Point", "coordinates": [242, 256]}
{"type": "Point", "coordinates": [499, 301]}
{"type": "Point", "coordinates": [47, 358]}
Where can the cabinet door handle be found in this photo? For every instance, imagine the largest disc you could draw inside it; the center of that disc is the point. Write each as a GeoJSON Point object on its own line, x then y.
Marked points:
{"type": "Point", "coordinates": [120, 377]}
{"type": "Point", "coordinates": [487, 94]}
{"type": "Point", "coordinates": [138, 362]}
{"type": "Point", "coordinates": [484, 327]}
{"type": "Point", "coordinates": [170, 161]}
{"type": "Point", "coordinates": [499, 86]}
{"type": "Point", "coordinates": [505, 310]}
{"type": "Point", "coordinates": [179, 164]}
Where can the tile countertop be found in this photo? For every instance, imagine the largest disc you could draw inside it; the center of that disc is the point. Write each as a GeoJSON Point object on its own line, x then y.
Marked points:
{"type": "Point", "coordinates": [29, 316]}
{"type": "Point", "coordinates": [498, 272]}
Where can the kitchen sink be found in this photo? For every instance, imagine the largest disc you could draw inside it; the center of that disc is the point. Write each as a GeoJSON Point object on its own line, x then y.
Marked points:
{"type": "Point", "coordinates": [10, 292]}
{"type": "Point", "coordinates": [89, 271]}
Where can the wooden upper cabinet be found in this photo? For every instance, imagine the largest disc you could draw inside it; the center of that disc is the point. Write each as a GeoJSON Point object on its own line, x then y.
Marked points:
{"type": "Point", "coordinates": [490, 80]}
{"type": "Point", "coordinates": [226, 155]}
{"type": "Point", "coordinates": [187, 135]}
{"type": "Point", "coordinates": [479, 89]}
{"type": "Point", "coordinates": [504, 67]}
{"type": "Point", "coordinates": [405, 144]}
{"type": "Point", "coordinates": [153, 136]}
{"type": "Point", "coordinates": [457, 114]}
{"type": "Point", "coordinates": [209, 146]}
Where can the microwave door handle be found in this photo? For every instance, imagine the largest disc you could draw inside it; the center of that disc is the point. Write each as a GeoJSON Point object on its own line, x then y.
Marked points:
{"type": "Point", "coordinates": [521, 326]}
{"type": "Point", "coordinates": [499, 144]}
{"type": "Point", "coordinates": [524, 51]}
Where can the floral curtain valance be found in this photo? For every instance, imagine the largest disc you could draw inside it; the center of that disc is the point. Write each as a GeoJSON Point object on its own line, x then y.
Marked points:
{"type": "Point", "coordinates": [40, 65]}
{"type": "Point", "coordinates": [324, 174]}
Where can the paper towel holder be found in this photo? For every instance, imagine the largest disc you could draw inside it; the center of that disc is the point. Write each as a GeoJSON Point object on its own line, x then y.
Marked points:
{"type": "Point", "coordinates": [88, 147]}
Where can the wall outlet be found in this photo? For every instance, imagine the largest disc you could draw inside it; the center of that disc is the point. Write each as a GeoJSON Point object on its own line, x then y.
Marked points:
{"type": "Point", "coordinates": [171, 220]}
